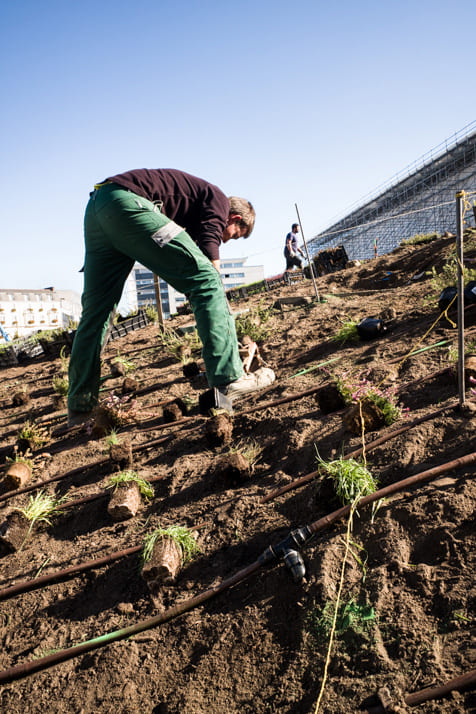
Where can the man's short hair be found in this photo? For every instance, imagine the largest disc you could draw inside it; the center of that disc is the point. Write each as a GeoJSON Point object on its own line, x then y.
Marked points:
{"type": "Point", "coordinates": [243, 208]}
{"type": "Point", "coordinates": [295, 225]}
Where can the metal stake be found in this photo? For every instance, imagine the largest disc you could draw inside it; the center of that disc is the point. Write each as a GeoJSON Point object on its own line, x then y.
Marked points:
{"type": "Point", "coordinates": [459, 257]}
{"type": "Point", "coordinates": [311, 267]}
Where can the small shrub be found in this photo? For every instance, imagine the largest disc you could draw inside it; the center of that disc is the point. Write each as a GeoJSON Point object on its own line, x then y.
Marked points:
{"type": "Point", "coordinates": [420, 239]}
{"type": "Point", "coordinates": [61, 385]}
{"type": "Point", "coordinates": [347, 333]}
{"type": "Point", "coordinates": [253, 323]}
{"type": "Point", "coordinates": [354, 391]}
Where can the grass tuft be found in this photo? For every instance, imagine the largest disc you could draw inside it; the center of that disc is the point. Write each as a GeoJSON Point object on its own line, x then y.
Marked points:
{"type": "Point", "coordinates": [124, 477]}
{"type": "Point", "coordinates": [179, 534]}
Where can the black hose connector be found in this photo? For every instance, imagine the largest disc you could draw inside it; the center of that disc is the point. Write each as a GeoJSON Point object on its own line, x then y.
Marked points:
{"type": "Point", "coordinates": [287, 551]}
{"type": "Point", "coordinates": [295, 564]}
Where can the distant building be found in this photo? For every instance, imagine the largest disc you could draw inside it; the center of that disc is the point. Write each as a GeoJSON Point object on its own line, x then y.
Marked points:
{"type": "Point", "coordinates": [233, 272]}
{"type": "Point", "coordinates": [24, 312]}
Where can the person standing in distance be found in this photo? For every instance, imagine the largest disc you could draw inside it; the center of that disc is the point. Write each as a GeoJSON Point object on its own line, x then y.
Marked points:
{"type": "Point", "coordinates": [291, 249]}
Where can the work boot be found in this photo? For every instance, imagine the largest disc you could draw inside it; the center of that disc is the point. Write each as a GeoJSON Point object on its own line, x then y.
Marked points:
{"type": "Point", "coordinates": [253, 382]}
{"type": "Point", "coordinates": [76, 418]}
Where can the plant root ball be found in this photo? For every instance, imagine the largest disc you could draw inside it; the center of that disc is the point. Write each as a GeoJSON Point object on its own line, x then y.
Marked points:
{"type": "Point", "coordinates": [164, 564]}
{"type": "Point", "coordinates": [121, 454]}
{"type": "Point", "coordinates": [330, 399]}
{"type": "Point", "coordinates": [129, 386]}
{"type": "Point", "coordinates": [219, 429]}
{"type": "Point", "coordinates": [372, 417]}
{"type": "Point", "coordinates": [172, 412]}
{"type": "Point", "coordinates": [470, 369]}
{"type": "Point", "coordinates": [103, 423]}
{"type": "Point", "coordinates": [118, 369]}
{"type": "Point", "coordinates": [191, 369]}
{"type": "Point", "coordinates": [125, 502]}
{"type": "Point", "coordinates": [13, 532]}
{"type": "Point", "coordinates": [233, 468]}
{"type": "Point", "coordinates": [20, 398]}
{"type": "Point", "coordinates": [16, 476]}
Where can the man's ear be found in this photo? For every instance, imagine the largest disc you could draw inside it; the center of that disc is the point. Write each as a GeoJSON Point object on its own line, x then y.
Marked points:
{"type": "Point", "coordinates": [234, 218]}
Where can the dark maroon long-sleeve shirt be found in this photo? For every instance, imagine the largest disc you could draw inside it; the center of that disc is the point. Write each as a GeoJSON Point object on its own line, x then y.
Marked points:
{"type": "Point", "coordinates": [191, 202]}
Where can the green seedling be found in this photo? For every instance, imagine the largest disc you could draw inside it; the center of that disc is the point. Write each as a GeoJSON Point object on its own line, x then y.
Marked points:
{"type": "Point", "coordinates": [126, 477]}
{"type": "Point", "coordinates": [351, 615]}
{"type": "Point", "coordinates": [112, 439]}
{"type": "Point", "coordinates": [61, 385]}
{"type": "Point", "coordinates": [181, 536]}
{"type": "Point", "coordinates": [180, 346]}
{"type": "Point", "coordinates": [151, 313]}
{"type": "Point", "coordinates": [64, 361]}
{"type": "Point", "coordinates": [249, 449]}
{"type": "Point", "coordinates": [36, 435]}
{"type": "Point", "coordinates": [347, 333]}
{"type": "Point", "coordinates": [128, 365]}
{"type": "Point", "coordinates": [40, 508]}
{"type": "Point", "coordinates": [253, 323]}
{"type": "Point", "coordinates": [17, 459]}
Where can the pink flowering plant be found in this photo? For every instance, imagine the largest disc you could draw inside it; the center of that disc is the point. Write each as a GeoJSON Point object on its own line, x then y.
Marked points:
{"type": "Point", "coordinates": [356, 390]}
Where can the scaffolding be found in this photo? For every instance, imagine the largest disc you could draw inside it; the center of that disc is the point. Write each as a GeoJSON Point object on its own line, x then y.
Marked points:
{"type": "Point", "coordinates": [418, 200]}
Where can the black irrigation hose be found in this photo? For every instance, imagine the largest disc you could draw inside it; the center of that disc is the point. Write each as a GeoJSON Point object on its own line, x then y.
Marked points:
{"type": "Point", "coordinates": [24, 669]}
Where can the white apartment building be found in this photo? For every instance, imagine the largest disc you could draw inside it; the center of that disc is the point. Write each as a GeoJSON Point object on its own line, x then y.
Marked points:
{"type": "Point", "coordinates": [233, 272]}
{"type": "Point", "coordinates": [24, 312]}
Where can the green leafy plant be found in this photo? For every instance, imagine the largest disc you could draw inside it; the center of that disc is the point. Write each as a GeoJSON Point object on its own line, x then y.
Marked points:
{"type": "Point", "coordinates": [253, 323]}
{"type": "Point", "coordinates": [151, 313]}
{"type": "Point", "coordinates": [179, 534]}
{"type": "Point", "coordinates": [448, 276]}
{"type": "Point", "coordinates": [351, 615]}
{"type": "Point", "coordinates": [128, 365]}
{"type": "Point", "coordinates": [125, 477]}
{"type": "Point", "coordinates": [61, 385]}
{"type": "Point", "coordinates": [347, 333]}
{"type": "Point", "coordinates": [40, 509]}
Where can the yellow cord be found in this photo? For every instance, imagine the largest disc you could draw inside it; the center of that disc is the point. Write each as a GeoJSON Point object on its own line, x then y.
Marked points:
{"type": "Point", "coordinates": [339, 593]}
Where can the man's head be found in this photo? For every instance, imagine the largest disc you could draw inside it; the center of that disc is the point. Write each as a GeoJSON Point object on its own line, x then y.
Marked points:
{"type": "Point", "coordinates": [241, 219]}
{"type": "Point", "coordinates": [295, 227]}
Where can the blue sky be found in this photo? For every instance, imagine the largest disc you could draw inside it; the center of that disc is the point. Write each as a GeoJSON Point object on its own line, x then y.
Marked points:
{"type": "Point", "coordinates": [307, 102]}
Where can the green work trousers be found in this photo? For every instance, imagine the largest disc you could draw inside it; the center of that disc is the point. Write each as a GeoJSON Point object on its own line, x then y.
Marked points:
{"type": "Point", "coordinates": [121, 228]}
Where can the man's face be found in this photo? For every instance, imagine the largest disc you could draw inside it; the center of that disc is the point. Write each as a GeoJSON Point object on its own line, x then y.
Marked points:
{"type": "Point", "coordinates": [295, 229]}
{"type": "Point", "coordinates": [234, 229]}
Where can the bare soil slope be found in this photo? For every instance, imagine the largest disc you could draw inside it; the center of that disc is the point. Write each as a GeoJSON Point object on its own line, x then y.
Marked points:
{"type": "Point", "coordinates": [259, 646]}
